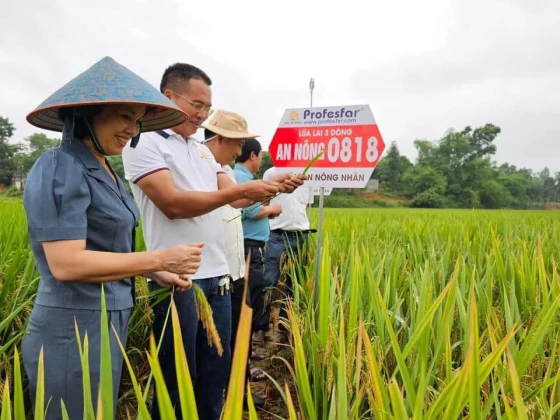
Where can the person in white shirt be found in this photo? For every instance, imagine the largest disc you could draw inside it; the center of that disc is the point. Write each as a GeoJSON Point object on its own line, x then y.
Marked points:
{"type": "Point", "coordinates": [289, 234]}
{"type": "Point", "coordinates": [224, 135]}
{"type": "Point", "coordinates": [180, 189]}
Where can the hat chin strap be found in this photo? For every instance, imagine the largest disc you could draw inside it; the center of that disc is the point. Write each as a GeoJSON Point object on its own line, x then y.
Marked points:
{"type": "Point", "coordinates": [69, 131]}
{"type": "Point", "coordinates": [68, 127]}
{"type": "Point", "coordinates": [93, 136]}
{"type": "Point", "coordinates": [134, 141]}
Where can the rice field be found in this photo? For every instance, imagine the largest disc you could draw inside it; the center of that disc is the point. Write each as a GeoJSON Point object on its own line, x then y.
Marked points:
{"type": "Point", "coordinates": [424, 314]}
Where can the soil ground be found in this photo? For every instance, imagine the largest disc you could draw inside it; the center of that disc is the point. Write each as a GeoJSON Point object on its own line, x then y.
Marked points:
{"type": "Point", "coordinates": [275, 347]}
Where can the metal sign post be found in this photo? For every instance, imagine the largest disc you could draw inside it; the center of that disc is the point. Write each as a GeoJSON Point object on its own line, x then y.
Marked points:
{"type": "Point", "coordinates": [319, 246]}
{"type": "Point", "coordinates": [311, 87]}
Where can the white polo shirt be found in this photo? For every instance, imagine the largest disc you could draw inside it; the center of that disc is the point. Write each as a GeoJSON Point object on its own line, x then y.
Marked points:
{"type": "Point", "coordinates": [193, 168]}
{"type": "Point", "coordinates": [235, 247]}
{"type": "Point", "coordinates": [294, 215]}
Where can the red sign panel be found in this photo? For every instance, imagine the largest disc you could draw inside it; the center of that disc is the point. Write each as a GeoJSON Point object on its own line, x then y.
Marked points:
{"type": "Point", "coordinates": [347, 135]}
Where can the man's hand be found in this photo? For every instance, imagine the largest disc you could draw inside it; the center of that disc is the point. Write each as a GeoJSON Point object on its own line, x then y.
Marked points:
{"type": "Point", "coordinates": [274, 210]}
{"type": "Point", "coordinates": [260, 190]}
{"type": "Point", "coordinates": [289, 182]}
{"type": "Point", "coordinates": [182, 282]}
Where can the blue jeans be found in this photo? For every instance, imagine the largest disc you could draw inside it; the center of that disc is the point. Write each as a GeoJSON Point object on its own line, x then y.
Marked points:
{"type": "Point", "coordinates": [293, 246]}
{"type": "Point", "coordinates": [209, 371]}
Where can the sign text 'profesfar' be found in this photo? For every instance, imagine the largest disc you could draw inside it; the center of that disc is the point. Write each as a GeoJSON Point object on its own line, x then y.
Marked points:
{"type": "Point", "coordinates": [347, 135]}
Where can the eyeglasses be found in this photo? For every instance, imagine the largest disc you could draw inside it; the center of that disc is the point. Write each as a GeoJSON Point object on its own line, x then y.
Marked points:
{"type": "Point", "coordinates": [197, 105]}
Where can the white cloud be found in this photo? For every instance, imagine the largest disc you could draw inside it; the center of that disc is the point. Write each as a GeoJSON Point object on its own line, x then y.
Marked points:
{"type": "Point", "coordinates": [422, 66]}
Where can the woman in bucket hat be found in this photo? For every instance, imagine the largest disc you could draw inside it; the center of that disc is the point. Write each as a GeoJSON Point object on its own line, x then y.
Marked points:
{"type": "Point", "coordinates": [81, 223]}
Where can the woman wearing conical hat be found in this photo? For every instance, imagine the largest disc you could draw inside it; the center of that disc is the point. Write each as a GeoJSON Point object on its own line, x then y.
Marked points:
{"type": "Point", "coordinates": [82, 223]}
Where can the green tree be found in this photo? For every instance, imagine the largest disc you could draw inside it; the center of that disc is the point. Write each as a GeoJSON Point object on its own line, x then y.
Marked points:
{"type": "Point", "coordinates": [494, 195]}
{"type": "Point", "coordinates": [548, 186]}
{"type": "Point", "coordinates": [506, 168]}
{"type": "Point", "coordinates": [427, 152]}
{"type": "Point", "coordinates": [39, 143]}
{"type": "Point", "coordinates": [517, 185]}
{"type": "Point", "coordinates": [535, 190]}
{"type": "Point", "coordinates": [481, 140]}
{"type": "Point", "coordinates": [557, 185]}
{"type": "Point", "coordinates": [30, 150]}
{"type": "Point", "coordinates": [463, 159]}
{"type": "Point", "coordinates": [7, 152]}
{"type": "Point", "coordinates": [6, 129]}
{"type": "Point", "coordinates": [429, 198]}
{"type": "Point", "coordinates": [265, 164]}
{"type": "Point", "coordinates": [421, 178]}
{"type": "Point", "coordinates": [391, 169]}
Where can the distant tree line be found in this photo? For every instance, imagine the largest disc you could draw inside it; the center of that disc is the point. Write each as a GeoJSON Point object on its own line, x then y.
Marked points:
{"type": "Point", "coordinates": [455, 171]}
{"type": "Point", "coordinates": [458, 171]}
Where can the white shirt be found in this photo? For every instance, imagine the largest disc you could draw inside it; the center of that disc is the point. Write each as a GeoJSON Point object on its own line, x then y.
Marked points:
{"type": "Point", "coordinates": [193, 168]}
{"type": "Point", "coordinates": [293, 216]}
{"type": "Point", "coordinates": [233, 236]}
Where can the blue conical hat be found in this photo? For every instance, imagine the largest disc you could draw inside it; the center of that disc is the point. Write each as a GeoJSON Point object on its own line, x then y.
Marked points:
{"type": "Point", "coordinates": [108, 82]}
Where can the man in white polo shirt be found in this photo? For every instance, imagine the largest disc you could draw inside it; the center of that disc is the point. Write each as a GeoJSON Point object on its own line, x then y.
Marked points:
{"type": "Point", "coordinates": [180, 188]}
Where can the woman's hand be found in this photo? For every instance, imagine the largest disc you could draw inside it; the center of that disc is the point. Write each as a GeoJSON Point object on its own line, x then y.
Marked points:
{"type": "Point", "coordinates": [182, 259]}
{"type": "Point", "coordinates": [182, 282]}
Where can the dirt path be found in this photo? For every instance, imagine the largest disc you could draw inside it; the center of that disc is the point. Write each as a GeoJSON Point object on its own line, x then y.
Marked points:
{"type": "Point", "coordinates": [274, 349]}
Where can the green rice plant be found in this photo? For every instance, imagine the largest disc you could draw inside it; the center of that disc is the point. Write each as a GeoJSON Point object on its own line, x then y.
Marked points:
{"type": "Point", "coordinates": [234, 401]}
{"type": "Point", "coordinates": [18, 284]}
{"type": "Point", "coordinates": [6, 402]}
{"type": "Point", "coordinates": [424, 314]}
{"type": "Point", "coordinates": [431, 314]}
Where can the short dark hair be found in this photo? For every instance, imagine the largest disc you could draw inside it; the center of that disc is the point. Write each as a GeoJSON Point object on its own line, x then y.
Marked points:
{"type": "Point", "coordinates": [208, 134]}
{"type": "Point", "coordinates": [250, 146]}
{"type": "Point", "coordinates": [181, 72]}
{"type": "Point", "coordinates": [81, 131]}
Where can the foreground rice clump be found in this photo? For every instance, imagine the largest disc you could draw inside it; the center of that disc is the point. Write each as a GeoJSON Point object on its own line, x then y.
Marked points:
{"type": "Point", "coordinates": [423, 314]}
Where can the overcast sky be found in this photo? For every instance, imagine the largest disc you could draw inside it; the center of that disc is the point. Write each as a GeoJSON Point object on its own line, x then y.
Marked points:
{"type": "Point", "coordinates": [423, 67]}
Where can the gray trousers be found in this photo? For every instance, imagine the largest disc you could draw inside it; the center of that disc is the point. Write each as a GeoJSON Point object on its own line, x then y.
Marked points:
{"type": "Point", "coordinates": [53, 328]}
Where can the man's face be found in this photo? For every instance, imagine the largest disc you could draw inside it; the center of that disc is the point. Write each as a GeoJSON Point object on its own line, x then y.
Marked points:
{"type": "Point", "coordinates": [231, 149]}
{"type": "Point", "coordinates": [195, 99]}
{"type": "Point", "coordinates": [225, 150]}
{"type": "Point", "coordinates": [257, 160]}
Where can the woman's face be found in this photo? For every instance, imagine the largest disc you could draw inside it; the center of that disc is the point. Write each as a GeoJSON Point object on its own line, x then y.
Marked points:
{"type": "Point", "coordinates": [116, 125]}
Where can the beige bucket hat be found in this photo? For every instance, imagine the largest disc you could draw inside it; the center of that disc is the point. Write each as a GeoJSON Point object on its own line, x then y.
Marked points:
{"type": "Point", "coordinates": [229, 125]}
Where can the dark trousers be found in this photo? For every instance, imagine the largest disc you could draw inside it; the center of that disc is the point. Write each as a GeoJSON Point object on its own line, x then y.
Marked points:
{"type": "Point", "coordinates": [209, 371]}
{"type": "Point", "coordinates": [53, 330]}
{"type": "Point", "coordinates": [256, 285]}
{"type": "Point", "coordinates": [283, 247]}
